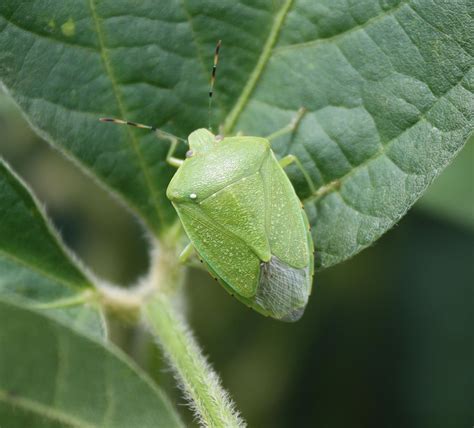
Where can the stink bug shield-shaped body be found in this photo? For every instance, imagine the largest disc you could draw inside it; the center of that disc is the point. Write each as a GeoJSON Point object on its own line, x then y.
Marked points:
{"type": "Point", "coordinates": [243, 217]}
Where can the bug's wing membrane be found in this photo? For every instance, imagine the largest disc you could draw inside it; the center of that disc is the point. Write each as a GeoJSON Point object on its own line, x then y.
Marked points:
{"type": "Point", "coordinates": [286, 280]}
{"type": "Point", "coordinates": [283, 290]}
{"type": "Point", "coordinates": [227, 255]}
{"type": "Point", "coordinates": [239, 208]}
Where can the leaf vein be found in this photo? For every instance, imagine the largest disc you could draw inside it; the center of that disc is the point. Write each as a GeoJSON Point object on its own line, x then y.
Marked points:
{"type": "Point", "coordinates": [48, 38]}
{"type": "Point", "coordinates": [38, 270]}
{"type": "Point", "coordinates": [243, 99]}
{"type": "Point", "coordinates": [43, 410]}
{"type": "Point", "coordinates": [350, 205]}
{"type": "Point", "coordinates": [330, 39]}
{"type": "Point", "coordinates": [438, 29]}
{"type": "Point", "coordinates": [383, 149]}
{"type": "Point", "coordinates": [132, 139]}
{"type": "Point", "coordinates": [418, 48]}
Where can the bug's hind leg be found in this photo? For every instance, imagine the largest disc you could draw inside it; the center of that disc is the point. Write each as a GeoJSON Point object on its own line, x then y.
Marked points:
{"type": "Point", "coordinates": [288, 160]}
{"type": "Point", "coordinates": [189, 257]}
{"type": "Point", "coordinates": [291, 127]}
{"type": "Point", "coordinates": [186, 254]}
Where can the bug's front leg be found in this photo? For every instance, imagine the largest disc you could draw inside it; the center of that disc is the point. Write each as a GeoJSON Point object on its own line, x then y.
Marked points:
{"type": "Point", "coordinates": [169, 156]}
{"type": "Point", "coordinates": [288, 160]}
{"type": "Point", "coordinates": [291, 127]}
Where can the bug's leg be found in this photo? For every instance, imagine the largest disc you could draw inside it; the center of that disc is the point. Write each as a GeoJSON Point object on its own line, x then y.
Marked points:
{"type": "Point", "coordinates": [186, 257]}
{"type": "Point", "coordinates": [291, 127]}
{"type": "Point", "coordinates": [169, 156]}
{"type": "Point", "coordinates": [186, 254]}
{"type": "Point", "coordinates": [160, 133]}
{"type": "Point", "coordinates": [288, 160]}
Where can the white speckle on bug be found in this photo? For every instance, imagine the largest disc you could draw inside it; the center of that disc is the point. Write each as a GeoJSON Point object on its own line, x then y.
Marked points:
{"type": "Point", "coordinates": [193, 196]}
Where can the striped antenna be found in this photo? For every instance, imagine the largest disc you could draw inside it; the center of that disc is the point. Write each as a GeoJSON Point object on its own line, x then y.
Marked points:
{"type": "Point", "coordinates": [213, 79]}
{"type": "Point", "coordinates": [142, 126]}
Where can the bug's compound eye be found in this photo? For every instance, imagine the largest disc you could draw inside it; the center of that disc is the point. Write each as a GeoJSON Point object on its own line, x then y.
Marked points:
{"type": "Point", "coordinates": [189, 154]}
{"type": "Point", "coordinates": [193, 196]}
{"type": "Point", "coordinates": [219, 138]}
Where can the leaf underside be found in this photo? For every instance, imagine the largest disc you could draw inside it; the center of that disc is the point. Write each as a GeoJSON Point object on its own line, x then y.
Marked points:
{"type": "Point", "coordinates": [387, 86]}
{"type": "Point", "coordinates": [55, 377]}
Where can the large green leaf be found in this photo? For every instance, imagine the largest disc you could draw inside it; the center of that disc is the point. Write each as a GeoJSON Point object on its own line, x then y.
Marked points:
{"type": "Point", "coordinates": [56, 377]}
{"type": "Point", "coordinates": [387, 85]}
{"type": "Point", "coordinates": [33, 264]}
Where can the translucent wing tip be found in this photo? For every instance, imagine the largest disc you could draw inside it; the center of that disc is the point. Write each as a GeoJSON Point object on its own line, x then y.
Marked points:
{"type": "Point", "coordinates": [283, 290]}
{"type": "Point", "coordinates": [293, 316]}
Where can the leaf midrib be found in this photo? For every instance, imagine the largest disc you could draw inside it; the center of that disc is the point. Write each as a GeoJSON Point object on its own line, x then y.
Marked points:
{"type": "Point", "coordinates": [268, 49]}
{"type": "Point", "coordinates": [262, 61]}
{"type": "Point", "coordinates": [132, 139]}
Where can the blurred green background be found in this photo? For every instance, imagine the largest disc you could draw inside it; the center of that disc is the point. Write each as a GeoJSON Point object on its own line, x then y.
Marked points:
{"type": "Point", "coordinates": [387, 339]}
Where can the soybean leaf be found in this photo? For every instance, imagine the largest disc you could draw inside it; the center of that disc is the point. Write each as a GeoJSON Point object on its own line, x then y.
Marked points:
{"type": "Point", "coordinates": [56, 377]}
{"type": "Point", "coordinates": [452, 195]}
{"type": "Point", "coordinates": [387, 86]}
{"type": "Point", "coordinates": [34, 266]}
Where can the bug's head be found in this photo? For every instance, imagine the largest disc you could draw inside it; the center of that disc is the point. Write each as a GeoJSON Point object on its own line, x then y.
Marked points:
{"type": "Point", "coordinates": [202, 141]}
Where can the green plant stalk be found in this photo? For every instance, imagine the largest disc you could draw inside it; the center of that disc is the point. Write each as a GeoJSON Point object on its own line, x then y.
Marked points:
{"type": "Point", "coordinates": [211, 403]}
{"type": "Point", "coordinates": [155, 301]}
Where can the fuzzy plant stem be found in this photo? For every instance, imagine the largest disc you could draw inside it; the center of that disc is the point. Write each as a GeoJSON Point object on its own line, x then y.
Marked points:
{"type": "Point", "coordinates": [211, 403]}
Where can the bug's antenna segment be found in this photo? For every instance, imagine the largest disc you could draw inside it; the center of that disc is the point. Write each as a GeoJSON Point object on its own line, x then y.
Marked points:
{"type": "Point", "coordinates": [142, 126]}
{"type": "Point", "coordinates": [213, 79]}
{"type": "Point", "coordinates": [127, 122]}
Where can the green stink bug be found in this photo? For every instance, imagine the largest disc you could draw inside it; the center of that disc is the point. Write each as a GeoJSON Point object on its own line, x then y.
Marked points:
{"type": "Point", "coordinates": [243, 217]}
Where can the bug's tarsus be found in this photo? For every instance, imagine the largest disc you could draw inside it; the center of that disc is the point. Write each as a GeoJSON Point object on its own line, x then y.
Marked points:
{"type": "Point", "coordinates": [291, 127]}
{"type": "Point", "coordinates": [141, 126]}
{"type": "Point", "coordinates": [127, 122]}
{"type": "Point", "coordinates": [213, 79]}
{"type": "Point", "coordinates": [297, 119]}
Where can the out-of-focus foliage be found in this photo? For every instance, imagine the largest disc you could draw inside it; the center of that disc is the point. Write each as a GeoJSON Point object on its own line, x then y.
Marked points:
{"type": "Point", "coordinates": [452, 195]}
{"type": "Point", "coordinates": [33, 263]}
{"type": "Point", "coordinates": [86, 216]}
{"type": "Point", "coordinates": [55, 377]}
